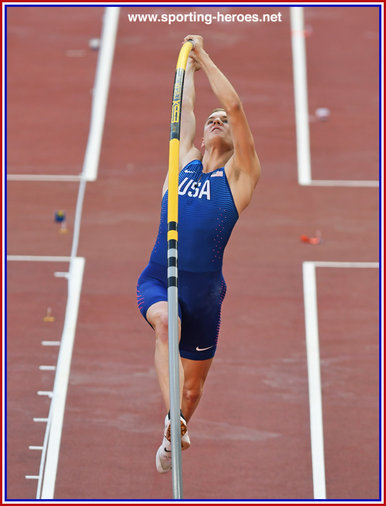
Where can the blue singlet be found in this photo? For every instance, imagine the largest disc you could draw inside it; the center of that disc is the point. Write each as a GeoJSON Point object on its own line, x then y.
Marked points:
{"type": "Point", "coordinates": [206, 217]}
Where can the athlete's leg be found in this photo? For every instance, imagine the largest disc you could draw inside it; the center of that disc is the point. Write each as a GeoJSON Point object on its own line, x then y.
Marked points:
{"type": "Point", "coordinates": [157, 316]}
{"type": "Point", "coordinates": [195, 373]}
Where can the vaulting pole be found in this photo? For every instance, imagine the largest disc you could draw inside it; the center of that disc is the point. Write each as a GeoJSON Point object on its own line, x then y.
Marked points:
{"type": "Point", "coordinates": [172, 239]}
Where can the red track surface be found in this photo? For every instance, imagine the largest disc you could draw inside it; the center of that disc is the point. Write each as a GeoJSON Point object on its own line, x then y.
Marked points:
{"type": "Point", "coordinates": [250, 434]}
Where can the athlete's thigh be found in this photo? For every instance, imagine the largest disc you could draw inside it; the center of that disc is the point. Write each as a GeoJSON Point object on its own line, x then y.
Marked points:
{"type": "Point", "coordinates": [201, 299]}
{"type": "Point", "coordinates": [151, 287]}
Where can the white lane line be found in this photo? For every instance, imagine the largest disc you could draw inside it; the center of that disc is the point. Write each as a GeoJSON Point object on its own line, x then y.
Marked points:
{"type": "Point", "coordinates": [49, 461]}
{"type": "Point", "coordinates": [47, 367]}
{"type": "Point", "coordinates": [40, 420]}
{"type": "Point", "coordinates": [44, 178]}
{"type": "Point", "coordinates": [348, 183]}
{"type": "Point", "coordinates": [29, 477]}
{"type": "Point", "coordinates": [348, 265]}
{"type": "Point", "coordinates": [301, 95]}
{"type": "Point", "coordinates": [61, 275]}
{"type": "Point", "coordinates": [101, 91]}
{"type": "Point", "coordinates": [37, 258]}
{"type": "Point", "coordinates": [313, 365]}
{"type": "Point", "coordinates": [299, 65]}
{"type": "Point", "coordinates": [50, 343]}
{"type": "Point", "coordinates": [98, 107]}
{"type": "Point", "coordinates": [43, 393]}
{"type": "Point", "coordinates": [314, 381]}
{"type": "Point", "coordinates": [37, 448]}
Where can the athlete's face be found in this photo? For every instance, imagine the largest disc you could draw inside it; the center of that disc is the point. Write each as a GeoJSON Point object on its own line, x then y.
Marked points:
{"type": "Point", "coordinates": [217, 127]}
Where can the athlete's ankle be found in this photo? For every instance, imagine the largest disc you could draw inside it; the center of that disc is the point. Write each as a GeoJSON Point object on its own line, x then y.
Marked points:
{"type": "Point", "coordinates": [181, 414]}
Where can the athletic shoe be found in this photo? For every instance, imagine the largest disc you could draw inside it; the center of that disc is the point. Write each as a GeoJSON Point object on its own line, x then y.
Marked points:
{"type": "Point", "coordinates": [163, 458]}
{"type": "Point", "coordinates": [185, 439]}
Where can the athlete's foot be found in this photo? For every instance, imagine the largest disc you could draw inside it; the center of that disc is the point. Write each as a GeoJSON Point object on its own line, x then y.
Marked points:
{"type": "Point", "coordinates": [185, 439]}
{"type": "Point", "coordinates": [163, 458]}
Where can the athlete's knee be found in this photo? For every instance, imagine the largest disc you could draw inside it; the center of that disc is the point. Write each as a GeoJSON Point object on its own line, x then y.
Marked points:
{"type": "Point", "coordinates": [192, 393]}
{"type": "Point", "coordinates": [157, 316]}
{"type": "Point", "coordinates": [160, 325]}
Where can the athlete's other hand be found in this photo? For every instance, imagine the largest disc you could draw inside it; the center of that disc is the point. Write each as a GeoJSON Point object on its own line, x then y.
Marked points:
{"type": "Point", "coordinates": [193, 63]}
{"type": "Point", "coordinates": [198, 45]}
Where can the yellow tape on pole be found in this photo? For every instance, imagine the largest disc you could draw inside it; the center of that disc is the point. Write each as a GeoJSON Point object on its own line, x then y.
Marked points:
{"type": "Point", "coordinates": [174, 143]}
{"type": "Point", "coordinates": [174, 155]}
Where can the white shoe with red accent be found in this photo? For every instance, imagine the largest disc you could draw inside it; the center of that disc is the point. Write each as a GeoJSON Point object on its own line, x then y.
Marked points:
{"type": "Point", "coordinates": [163, 459]}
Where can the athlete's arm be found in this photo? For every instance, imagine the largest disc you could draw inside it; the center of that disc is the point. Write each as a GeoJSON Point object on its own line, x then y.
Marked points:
{"type": "Point", "coordinates": [243, 169]}
{"type": "Point", "coordinates": [188, 150]}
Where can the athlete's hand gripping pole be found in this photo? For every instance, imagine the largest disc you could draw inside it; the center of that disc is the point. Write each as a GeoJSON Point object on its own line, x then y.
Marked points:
{"type": "Point", "coordinates": [172, 239]}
